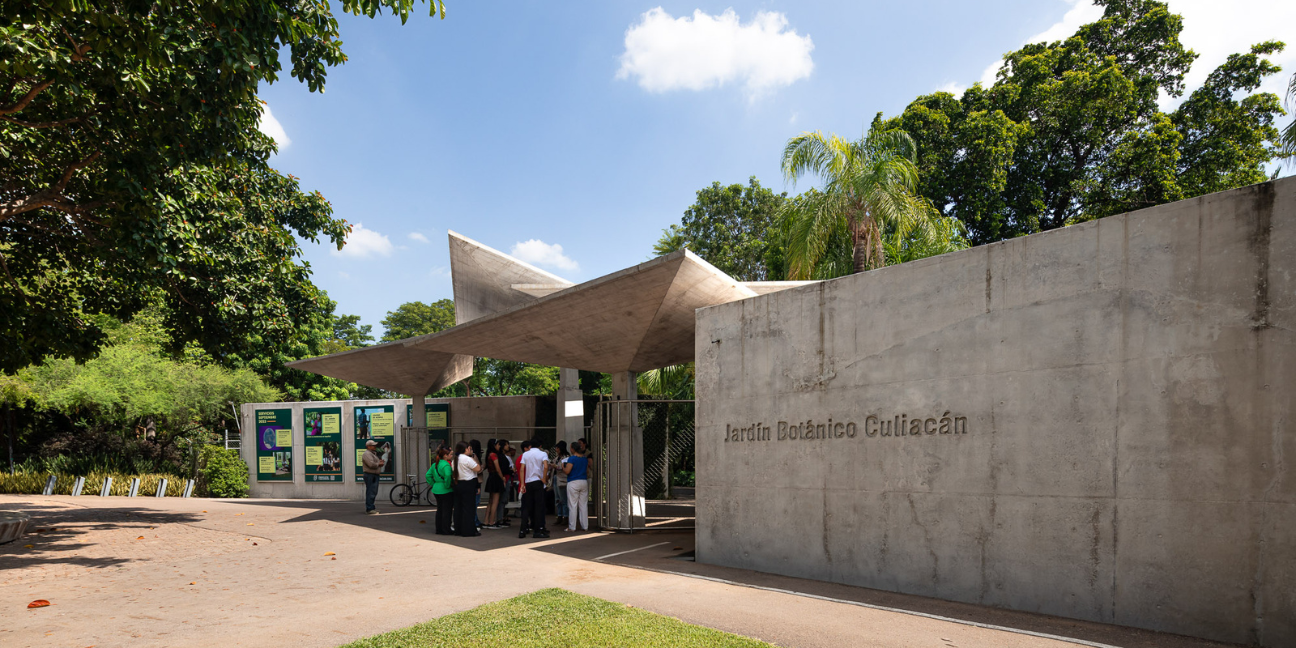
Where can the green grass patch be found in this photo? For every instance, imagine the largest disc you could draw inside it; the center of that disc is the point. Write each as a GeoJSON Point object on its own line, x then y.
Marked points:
{"type": "Point", "coordinates": [555, 617]}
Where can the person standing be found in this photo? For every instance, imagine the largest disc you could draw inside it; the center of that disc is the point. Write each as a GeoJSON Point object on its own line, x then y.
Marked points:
{"type": "Point", "coordinates": [506, 471]}
{"type": "Point", "coordinates": [535, 468]}
{"type": "Point", "coordinates": [577, 469]}
{"type": "Point", "coordinates": [440, 477]}
{"type": "Point", "coordinates": [480, 457]}
{"type": "Point", "coordinates": [465, 488]}
{"type": "Point", "coordinates": [558, 482]}
{"type": "Point", "coordinates": [372, 466]}
{"type": "Point", "coordinates": [494, 484]}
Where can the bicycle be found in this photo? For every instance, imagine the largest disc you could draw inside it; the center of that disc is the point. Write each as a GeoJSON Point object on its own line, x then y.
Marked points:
{"type": "Point", "coordinates": [403, 494]}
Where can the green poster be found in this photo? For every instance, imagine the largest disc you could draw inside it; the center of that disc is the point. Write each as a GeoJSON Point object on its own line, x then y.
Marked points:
{"type": "Point", "coordinates": [274, 444]}
{"type": "Point", "coordinates": [376, 422]}
{"type": "Point", "coordinates": [438, 424]}
{"type": "Point", "coordinates": [323, 434]}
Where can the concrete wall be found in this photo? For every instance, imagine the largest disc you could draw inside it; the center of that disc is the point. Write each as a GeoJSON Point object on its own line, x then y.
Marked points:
{"type": "Point", "coordinates": [1104, 423]}
{"type": "Point", "coordinates": [468, 419]}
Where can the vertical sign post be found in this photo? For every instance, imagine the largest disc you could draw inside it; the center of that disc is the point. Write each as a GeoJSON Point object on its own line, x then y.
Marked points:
{"type": "Point", "coordinates": [323, 434]}
{"type": "Point", "coordinates": [274, 444]}
{"type": "Point", "coordinates": [377, 422]}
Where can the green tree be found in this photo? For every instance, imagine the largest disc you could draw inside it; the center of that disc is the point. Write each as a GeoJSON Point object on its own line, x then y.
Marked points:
{"type": "Point", "coordinates": [130, 386]}
{"type": "Point", "coordinates": [413, 319]}
{"type": "Point", "coordinates": [1071, 130]}
{"type": "Point", "coordinates": [349, 333]}
{"type": "Point", "coordinates": [727, 226]}
{"type": "Point", "coordinates": [311, 336]}
{"type": "Point", "coordinates": [870, 184]}
{"type": "Point", "coordinates": [938, 236]}
{"type": "Point", "coordinates": [131, 167]}
{"type": "Point", "coordinates": [1225, 142]}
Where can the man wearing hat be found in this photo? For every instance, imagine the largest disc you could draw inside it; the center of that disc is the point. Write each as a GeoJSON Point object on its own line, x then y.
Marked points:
{"type": "Point", "coordinates": [373, 465]}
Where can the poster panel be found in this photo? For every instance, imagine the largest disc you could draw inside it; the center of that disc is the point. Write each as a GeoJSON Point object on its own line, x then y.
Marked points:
{"type": "Point", "coordinates": [274, 444]}
{"type": "Point", "coordinates": [438, 424]}
{"type": "Point", "coordinates": [322, 430]}
{"type": "Point", "coordinates": [377, 422]}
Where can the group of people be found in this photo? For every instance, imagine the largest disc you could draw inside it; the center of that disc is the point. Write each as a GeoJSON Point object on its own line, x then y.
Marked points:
{"type": "Point", "coordinates": [456, 481]}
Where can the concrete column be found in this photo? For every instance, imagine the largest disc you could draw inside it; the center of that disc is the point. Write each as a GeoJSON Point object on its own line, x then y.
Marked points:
{"type": "Point", "coordinates": [625, 450]}
{"type": "Point", "coordinates": [416, 456]}
{"type": "Point", "coordinates": [571, 407]}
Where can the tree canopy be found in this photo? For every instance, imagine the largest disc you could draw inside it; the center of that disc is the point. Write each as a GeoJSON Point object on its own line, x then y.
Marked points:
{"type": "Point", "coordinates": [870, 187]}
{"type": "Point", "coordinates": [1071, 130]}
{"type": "Point", "coordinates": [727, 226]}
{"type": "Point", "coordinates": [412, 319]}
{"type": "Point", "coordinates": [131, 170]}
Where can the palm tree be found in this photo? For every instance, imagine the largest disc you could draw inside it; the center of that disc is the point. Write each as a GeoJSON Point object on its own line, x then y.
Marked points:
{"type": "Point", "coordinates": [870, 185]}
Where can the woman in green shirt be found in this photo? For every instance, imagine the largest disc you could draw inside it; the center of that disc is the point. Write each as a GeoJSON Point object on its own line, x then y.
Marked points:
{"type": "Point", "coordinates": [438, 477]}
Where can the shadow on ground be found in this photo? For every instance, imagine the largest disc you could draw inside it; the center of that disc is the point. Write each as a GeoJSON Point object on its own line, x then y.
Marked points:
{"type": "Point", "coordinates": [55, 532]}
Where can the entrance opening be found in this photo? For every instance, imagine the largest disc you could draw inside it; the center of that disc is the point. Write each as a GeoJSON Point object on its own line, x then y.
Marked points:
{"type": "Point", "coordinates": [643, 464]}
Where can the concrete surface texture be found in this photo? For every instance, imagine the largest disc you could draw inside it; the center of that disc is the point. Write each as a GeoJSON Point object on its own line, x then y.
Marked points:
{"type": "Point", "coordinates": [480, 417]}
{"type": "Point", "coordinates": [194, 572]}
{"type": "Point", "coordinates": [487, 281]}
{"type": "Point", "coordinates": [392, 366]}
{"type": "Point", "coordinates": [632, 320]}
{"type": "Point", "coordinates": [1094, 422]}
{"type": "Point", "coordinates": [637, 319]}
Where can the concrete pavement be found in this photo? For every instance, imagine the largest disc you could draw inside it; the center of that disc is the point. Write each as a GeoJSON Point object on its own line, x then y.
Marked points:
{"type": "Point", "coordinates": [176, 572]}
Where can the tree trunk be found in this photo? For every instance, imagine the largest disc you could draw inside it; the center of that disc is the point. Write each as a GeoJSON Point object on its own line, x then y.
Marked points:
{"type": "Point", "coordinates": [860, 247]}
{"type": "Point", "coordinates": [867, 252]}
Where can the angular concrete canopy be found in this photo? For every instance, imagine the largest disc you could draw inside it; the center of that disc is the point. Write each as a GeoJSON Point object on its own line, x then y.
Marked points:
{"type": "Point", "coordinates": [487, 281]}
{"type": "Point", "coordinates": [392, 366]}
{"type": "Point", "coordinates": [636, 319]}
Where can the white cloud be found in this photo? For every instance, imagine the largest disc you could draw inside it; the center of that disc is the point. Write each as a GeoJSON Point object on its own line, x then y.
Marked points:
{"type": "Point", "coordinates": [953, 87]}
{"type": "Point", "coordinates": [664, 53]}
{"type": "Point", "coordinates": [364, 243]}
{"type": "Point", "coordinates": [1211, 28]}
{"type": "Point", "coordinates": [541, 253]}
{"type": "Point", "coordinates": [271, 126]}
{"type": "Point", "coordinates": [415, 236]}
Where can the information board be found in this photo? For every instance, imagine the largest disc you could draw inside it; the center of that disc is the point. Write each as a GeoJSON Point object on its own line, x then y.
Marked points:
{"type": "Point", "coordinates": [377, 422]}
{"type": "Point", "coordinates": [274, 444]}
{"type": "Point", "coordinates": [323, 435]}
{"type": "Point", "coordinates": [438, 424]}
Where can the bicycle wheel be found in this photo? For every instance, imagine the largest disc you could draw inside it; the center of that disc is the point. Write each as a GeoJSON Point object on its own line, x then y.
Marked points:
{"type": "Point", "coordinates": [401, 494]}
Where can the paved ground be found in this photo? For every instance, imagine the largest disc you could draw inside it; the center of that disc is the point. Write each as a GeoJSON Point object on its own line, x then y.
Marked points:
{"type": "Point", "coordinates": [171, 572]}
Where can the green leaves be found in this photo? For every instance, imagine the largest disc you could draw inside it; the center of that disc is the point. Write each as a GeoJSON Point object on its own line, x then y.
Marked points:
{"type": "Point", "coordinates": [1072, 130]}
{"type": "Point", "coordinates": [870, 187]}
{"type": "Point", "coordinates": [412, 319]}
{"type": "Point", "coordinates": [727, 226]}
{"type": "Point", "coordinates": [132, 169]}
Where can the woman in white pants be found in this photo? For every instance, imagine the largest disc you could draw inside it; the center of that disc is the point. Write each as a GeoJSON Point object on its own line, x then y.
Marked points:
{"type": "Point", "coordinates": [577, 469]}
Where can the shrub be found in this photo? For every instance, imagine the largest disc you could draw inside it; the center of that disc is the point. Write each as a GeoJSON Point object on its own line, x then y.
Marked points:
{"type": "Point", "coordinates": [33, 483]}
{"type": "Point", "coordinates": [222, 473]}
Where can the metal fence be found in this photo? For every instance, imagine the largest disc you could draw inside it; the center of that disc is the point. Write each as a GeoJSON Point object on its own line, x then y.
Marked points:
{"type": "Point", "coordinates": [638, 446]}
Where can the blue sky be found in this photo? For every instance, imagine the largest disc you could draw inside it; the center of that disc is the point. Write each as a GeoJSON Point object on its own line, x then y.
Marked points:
{"type": "Point", "coordinates": [590, 125]}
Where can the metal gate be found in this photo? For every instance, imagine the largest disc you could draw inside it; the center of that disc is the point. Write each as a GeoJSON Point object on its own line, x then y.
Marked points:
{"type": "Point", "coordinates": [638, 446]}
